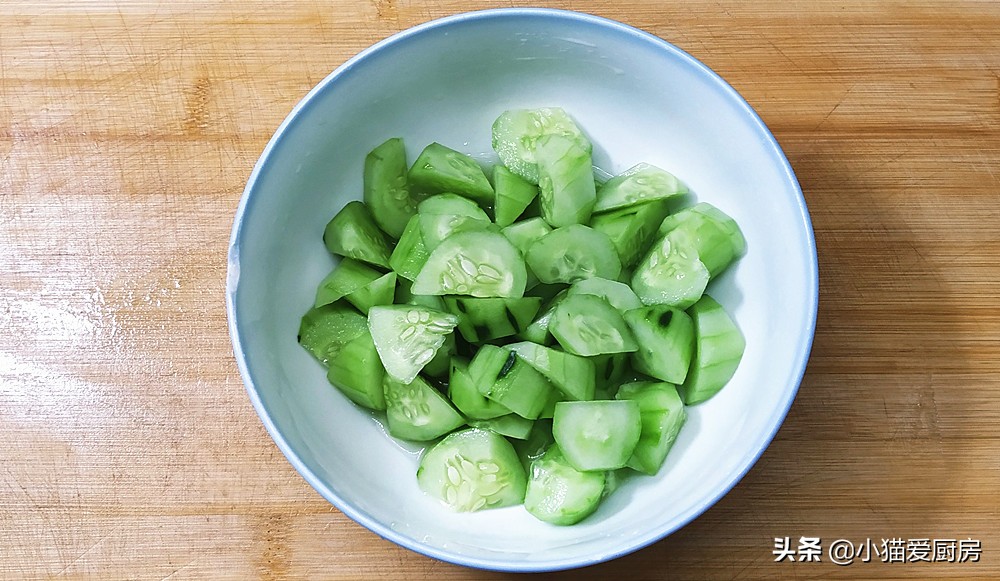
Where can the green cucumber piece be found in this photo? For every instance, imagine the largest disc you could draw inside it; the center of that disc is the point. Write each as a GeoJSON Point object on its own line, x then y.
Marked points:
{"type": "Point", "coordinates": [504, 378]}
{"type": "Point", "coordinates": [407, 337]}
{"type": "Point", "coordinates": [716, 237]}
{"type": "Point", "coordinates": [464, 393]}
{"type": "Point", "coordinates": [523, 233]}
{"type": "Point", "coordinates": [358, 373]}
{"type": "Point", "coordinates": [671, 274]}
{"type": "Point", "coordinates": [572, 253]}
{"type": "Point", "coordinates": [663, 415]}
{"type": "Point", "coordinates": [417, 412]}
{"type": "Point", "coordinates": [718, 350]}
{"type": "Point", "coordinates": [571, 374]}
{"type": "Point", "coordinates": [485, 319]}
{"type": "Point", "coordinates": [472, 470]}
{"type": "Point", "coordinates": [405, 296]}
{"type": "Point", "coordinates": [452, 204]}
{"type": "Point", "coordinates": [631, 229]}
{"type": "Point", "coordinates": [386, 191]}
{"type": "Point", "coordinates": [440, 364]}
{"type": "Point", "coordinates": [538, 330]}
{"type": "Point", "coordinates": [611, 370]}
{"type": "Point", "coordinates": [560, 494]}
{"type": "Point", "coordinates": [537, 442]}
{"type": "Point", "coordinates": [410, 253]}
{"type": "Point", "coordinates": [517, 131]}
{"type": "Point", "coordinates": [348, 276]}
{"type": "Point", "coordinates": [513, 195]}
{"type": "Point", "coordinates": [565, 181]}
{"type": "Point", "coordinates": [476, 263]}
{"type": "Point", "coordinates": [618, 294]}
{"type": "Point", "coordinates": [597, 435]}
{"type": "Point", "coordinates": [588, 325]}
{"type": "Point", "coordinates": [666, 342]}
{"type": "Point", "coordinates": [352, 233]}
{"type": "Point", "coordinates": [439, 169]}
{"type": "Point", "coordinates": [510, 425]}
{"type": "Point", "coordinates": [436, 227]}
{"type": "Point", "coordinates": [325, 330]}
{"type": "Point", "coordinates": [640, 183]}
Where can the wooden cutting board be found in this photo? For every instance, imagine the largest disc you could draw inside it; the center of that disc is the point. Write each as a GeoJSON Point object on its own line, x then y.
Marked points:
{"type": "Point", "coordinates": [127, 133]}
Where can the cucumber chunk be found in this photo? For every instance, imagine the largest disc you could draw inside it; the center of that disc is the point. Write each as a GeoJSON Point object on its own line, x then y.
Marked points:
{"type": "Point", "coordinates": [640, 183]}
{"type": "Point", "coordinates": [410, 253]}
{"type": "Point", "coordinates": [716, 237]}
{"type": "Point", "coordinates": [439, 365]}
{"type": "Point", "coordinates": [439, 169]}
{"type": "Point", "coordinates": [386, 191]}
{"type": "Point", "coordinates": [671, 274]}
{"type": "Point", "coordinates": [666, 342]}
{"type": "Point", "coordinates": [537, 442]}
{"type": "Point", "coordinates": [352, 233]}
{"type": "Point", "coordinates": [560, 494]}
{"type": "Point", "coordinates": [358, 373]}
{"type": "Point", "coordinates": [452, 204]}
{"type": "Point", "coordinates": [663, 415]}
{"type": "Point", "coordinates": [618, 294]}
{"type": "Point", "coordinates": [436, 227]}
{"type": "Point", "coordinates": [485, 319]}
{"type": "Point", "coordinates": [510, 425]}
{"type": "Point", "coordinates": [597, 435]}
{"type": "Point", "coordinates": [477, 263]}
{"type": "Point", "coordinates": [718, 351]}
{"type": "Point", "coordinates": [405, 296]}
{"type": "Point", "coordinates": [565, 181]}
{"type": "Point", "coordinates": [464, 393]}
{"type": "Point", "coordinates": [473, 470]}
{"type": "Point", "coordinates": [588, 325]}
{"type": "Point", "coordinates": [362, 286]}
{"type": "Point", "coordinates": [513, 195]}
{"type": "Point", "coordinates": [573, 375]}
{"type": "Point", "coordinates": [631, 229]}
{"type": "Point", "coordinates": [538, 330]}
{"type": "Point", "coordinates": [523, 233]}
{"type": "Point", "coordinates": [572, 253]}
{"type": "Point", "coordinates": [407, 337]}
{"type": "Point", "coordinates": [325, 330]}
{"type": "Point", "coordinates": [505, 378]}
{"type": "Point", "coordinates": [611, 370]}
{"type": "Point", "coordinates": [516, 133]}
{"type": "Point", "coordinates": [416, 411]}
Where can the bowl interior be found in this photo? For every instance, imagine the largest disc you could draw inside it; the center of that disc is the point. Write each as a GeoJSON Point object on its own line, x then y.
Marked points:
{"type": "Point", "coordinates": [639, 100]}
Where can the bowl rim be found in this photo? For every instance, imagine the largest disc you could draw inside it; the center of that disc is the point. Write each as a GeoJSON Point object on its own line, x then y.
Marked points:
{"type": "Point", "coordinates": [651, 536]}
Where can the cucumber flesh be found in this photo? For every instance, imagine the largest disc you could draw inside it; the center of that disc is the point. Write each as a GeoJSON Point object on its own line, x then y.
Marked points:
{"type": "Point", "coordinates": [523, 233]}
{"type": "Point", "coordinates": [440, 169]}
{"type": "Point", "coordinates": [537, 442]}
{"type": "Point", "coordinates": [560, 494]}
{"type": "Point", "coordinates": [611, 370]}
{"type": "Point", "coordinates": [573, 375]}
{"type": "Point", "coordinates": [510, 425]}
{"type": "Point", "coordinates": [477, 263]}
{"type": "Point", "coordinates": [436, 227]}
{"type": "Point", "coordinates": [671, 274]}
{"type": "Point", "coordinates": [588, 325]}
{"type": "Point", "coordinates": [513, 195]}
{"type": "Point", "coordinates": [565, 181]}
{"type": "Point", "coordinates": [386, 191]}
{"type": "Point", "coordinates": [505, 378]}
{"type": "Point", "coordinates": [352, 233]}
{"type": "Point", "coordinates": [718, 350]}
{"type": "Point", "coordinates": [440, 364]}
{"type": "Point", "coordinates": [716, 237]}
{"type": "Point", "coordinates": [666, 342]}
{"type": "Point", "coordinates": [416, 411]}
{"type": "Point", "coordinates": [452, 204]}
{"type": "Point", "coordinates": [407, 337]}
{"type": "Point", "coordinates": [325, 330]}
{"type": "Point", "coordinates": [538, 330]}
{"type": "Point", "coordinates": [618, 294]}
{"type": "Point", "coordinates": [662, 413]}
{"type": "Point", "coordinates": [639, 184]}
{"type": "Point", "coordinates": [358, 373]}
{"type": "Point", "coordinates": [597, 435]}
{"type": "Point", "coordinates": [347, 277]}
{"type": "Point", "coordinates": [485, 319]}
{"type": "Point", "coordinates": [464, 393]}
{"type": "Point", "coordinates": [572, 253]}
{"type": "Point", "coordinates": [405, 296]}
{"type": "Point", "coordinates": [631, 229]}
{"type": "Point", "coordinates": [472, 470]}
{"type": "Point", "coordinates": [410, 253]}
{"type": "Point", "coordinates": [517, 131]}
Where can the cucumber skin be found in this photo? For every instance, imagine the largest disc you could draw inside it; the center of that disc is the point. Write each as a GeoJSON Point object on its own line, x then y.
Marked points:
{"type": "Point", "coordinates": [663, 353]}
{"type": "Point", "coordinates": [385, 187]}
{"type": "Point", "coordinates": [716, 237]}
{"type": "Point", "coordinates": [486, 319]}
{"type": "Point", "coordinates": [632, 229]}
{"type": "Point", "coordinates": [513, 195]}
{"type": "Point", "coordinates": [565, 181]}
{"type": "Point", "coordinates": [464, 393]}
{"type": "Point", "coordinates": [662, 415]}
{"type": "Point", "coordinates": [358, 373]}
{"type": "Point", "coordinates": [353, 233]}
{"type": "Point", "coordinates": [410, 253]}
{"type": "Point", "coordinates": [719, 348]}
{"type": "Point", "coordinates": [323, 331]}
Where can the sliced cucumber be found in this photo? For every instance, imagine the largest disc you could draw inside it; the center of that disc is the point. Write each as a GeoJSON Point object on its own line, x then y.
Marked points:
{"type": "Point", "coordinates": [588, 325]}
{"type": "Point", "coordinates": [573, 375]}
{"type": "Point", "coordinates": [410, 253]}
{"type": "Point", "coordinates": [597, 435]}
{"type": "Point", "coordinates": [362, 286]}
{"type": "Point", "coordinates": [436, 227]}
{"type": "Point", "coordinates": [357, 372]}
{"type": "Point", "coordinates": [663, 415]}
{"type": "Point", "coordinates": [325, 330]}
{"type": "Point", "coordinates": [639, 184]}
{"type": "Point", "coordinates": [513, 195]}
{"type": "Point", "coordinates": [405, 296]}
{"type": "Point", "coordinates": [618, 294]}
{"type": "Point", "coordinates": [464, 393]}
{"type": "Point", "coordinates": [666, 342]}
{"type": "Point", "coordinates": [485, 319]}
{"type": "Point", "coordinates": [565, 181]}
{"type": "Point", "coordinates": [385, 187]}
{"type": "Point", "coordinates": [572, 253]}
{"type": "Point", "coordinates": [671, 274]}
{"type": "Point", "coordinates": [522, 234]}
{"type": "Point", "coordinates": [716, 237]}
{"type": "Point", "coordinates": [416, 411]}
{"type": "Point", "coordinates": [538, 330]}
{"type": "Point", "coordinates": [516, 133]}
{"type": "Point", "coordinates": [611, 370]}
{"type": "Point", "coordinates": [631, 229]}
{"type": "Point", "coordinates": [452, 204]}
{"type": "Point", "coordinates": [505, 378]}
{"type": "Point", "coordinates": [352, 233]}
{"type": "Point", "coordinates": [477, 263]}
{"type": "Point", "coordinates": [407, 337]}
{"type": "Point", "coordinates": [439, 169]}
{"type": "Point", "coordinates": [719, 349]}
{"type": "Point", "coordinates": [439, 365]}
{"type": "Point", "coordinates": [473, 470]}
{"type": "Point", "coordinates": [560, 494]}
{"type": "Point", "coordinates": [537, 442]}
{"type": "Point", "coordinates": [510, 425]}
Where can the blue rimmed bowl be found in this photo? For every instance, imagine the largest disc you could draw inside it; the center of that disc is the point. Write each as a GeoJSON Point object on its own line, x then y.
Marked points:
{"type": "Point", "coordinates": [639, 99]}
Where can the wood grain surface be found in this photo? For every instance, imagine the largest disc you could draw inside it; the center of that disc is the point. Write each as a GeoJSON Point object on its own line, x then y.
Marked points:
{"type": "Point", "coordinates": [127, 133]}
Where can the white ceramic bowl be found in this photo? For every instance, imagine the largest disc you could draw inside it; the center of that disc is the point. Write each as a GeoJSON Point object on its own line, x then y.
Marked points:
{"type": "Point", "coordinates": [640, 99]}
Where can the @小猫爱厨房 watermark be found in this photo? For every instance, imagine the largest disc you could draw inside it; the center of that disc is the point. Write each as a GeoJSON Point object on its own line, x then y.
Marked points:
{"type": "Point", "coordinates": [885, 550]}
